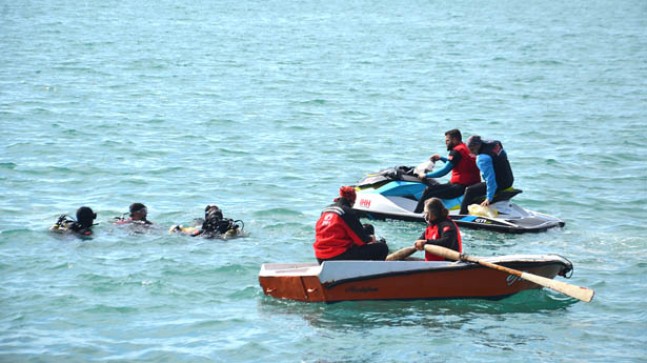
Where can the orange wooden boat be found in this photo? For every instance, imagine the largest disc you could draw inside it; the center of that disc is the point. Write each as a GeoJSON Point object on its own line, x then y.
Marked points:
{"type": "Point", "coordinates": [402, 280]}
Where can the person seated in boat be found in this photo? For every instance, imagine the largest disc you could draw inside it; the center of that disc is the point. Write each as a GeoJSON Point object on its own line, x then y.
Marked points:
{"type": "Point", "coordinates": [214, 225]}
{"type": "Point", "coordinates": [339, 234]}
{"type": "Point", "coordinates": [138, 214]}
{"type": "Point", "coordinates": [492, 161]}
{"type": "Point", "coordinates": [82, 226]}
{"type": "Point", "coordinates": [441, 230]}
{"type": "Point", "coordinates": [462, 166]}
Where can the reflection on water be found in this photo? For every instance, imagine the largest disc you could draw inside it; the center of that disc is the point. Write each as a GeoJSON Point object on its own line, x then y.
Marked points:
{"type": "Point", "coordinates": [445, 314]}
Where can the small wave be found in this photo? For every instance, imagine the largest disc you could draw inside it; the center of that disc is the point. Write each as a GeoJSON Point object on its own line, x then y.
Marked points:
{"type": "Point", "coordinates": [8, 165]}
{"type": "Point", "coordinates": [282, 212]}
{"type": "Point", "coordinates": [314, 102]}
{"type": "Point", "coordinates": [103, 309]}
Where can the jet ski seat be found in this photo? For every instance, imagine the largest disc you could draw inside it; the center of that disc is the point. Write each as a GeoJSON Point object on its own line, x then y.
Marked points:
{"type": "Point", "coordinates": [505, 194]}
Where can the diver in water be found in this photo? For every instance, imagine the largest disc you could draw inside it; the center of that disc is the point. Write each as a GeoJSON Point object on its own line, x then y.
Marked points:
{"type": "Point", "coordinates": [370, 230]}
{"type": "Point", "coordinates": [138, 213]}
{"type": "Point", "coordinates": [214, 225]}
{"type": "Point", "coordinates": [82, 226]}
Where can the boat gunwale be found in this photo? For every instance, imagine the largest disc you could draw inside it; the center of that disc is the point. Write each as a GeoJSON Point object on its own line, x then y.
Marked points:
{"type": "Point", "coordinates": [459, 266]}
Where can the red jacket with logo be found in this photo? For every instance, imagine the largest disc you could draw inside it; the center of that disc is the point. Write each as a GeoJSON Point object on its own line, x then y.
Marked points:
{"type": "Point", "coordinates": [444, 233]}
{"type": "Point", "coordinates": [465, 171]}
{"type": "Point", "coordinates": [337, 230]}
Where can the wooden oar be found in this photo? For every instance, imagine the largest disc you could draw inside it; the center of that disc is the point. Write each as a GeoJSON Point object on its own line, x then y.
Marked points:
{"type": "Point", "coordinates": [582, 293]}
{"type": "Point", "coordinates": [401, 254]}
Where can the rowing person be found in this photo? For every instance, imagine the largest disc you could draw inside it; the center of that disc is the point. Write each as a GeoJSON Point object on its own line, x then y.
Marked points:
{"type": "Point", "coordinates": [82, 226]}
{"type": "Point", "coordinates": [339, 234]}
{"type": "Point", "coordinates": [441, 230]}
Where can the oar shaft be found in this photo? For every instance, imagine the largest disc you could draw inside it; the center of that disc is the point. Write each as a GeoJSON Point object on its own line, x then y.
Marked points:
{"type": "Point", "coordinates": [578, 292]}
{"type": "Point", "coordinates": [401, 254]}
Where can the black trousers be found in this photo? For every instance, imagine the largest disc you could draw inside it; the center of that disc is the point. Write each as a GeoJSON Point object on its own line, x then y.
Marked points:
{"type": "Point", "coordinates": [442, 191]}
{"type": "Point", "coordinates": [371, 252]}
{"type": "Point", "coordinates": [472, 192]}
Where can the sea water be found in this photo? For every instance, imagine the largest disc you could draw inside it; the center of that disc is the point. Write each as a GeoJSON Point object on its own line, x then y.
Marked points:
{"type": "Point", "coordinates": [266, 108]}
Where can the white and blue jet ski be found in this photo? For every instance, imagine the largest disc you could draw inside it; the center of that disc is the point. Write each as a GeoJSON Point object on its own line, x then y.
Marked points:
{"type": "Point", "coordinates": [394, 193]}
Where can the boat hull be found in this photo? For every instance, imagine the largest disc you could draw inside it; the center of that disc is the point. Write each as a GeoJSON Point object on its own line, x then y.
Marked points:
{"type": "Point", "coordinates": [404, 280]}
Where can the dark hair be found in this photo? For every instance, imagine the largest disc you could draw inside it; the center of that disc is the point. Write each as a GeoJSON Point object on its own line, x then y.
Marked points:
{"type": "Point", "coordinates": [136, 207]}
{"type": "Point", "coordinates": [212, 212]}
{"type": "Point", "coordinates": [368, 228]}
{"type": "Point", "coordinates": [85, 216]}
{"type": "Point", "coordinates": [455, 134]}
{"type": "Point", "coordinates": [474, 140]}
{"type": "Point", "coordinates": [436, 206]}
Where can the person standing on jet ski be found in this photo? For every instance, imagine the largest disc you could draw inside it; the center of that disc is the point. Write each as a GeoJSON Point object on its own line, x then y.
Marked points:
{"type": "Point", "coordinates": [493, 163]}
{"type": "Point", "coordinates": [441, 230]}
{"type": "Point", "coordinates": [339, 234]}
{"type": "Point", "coordinates": [460, 163]}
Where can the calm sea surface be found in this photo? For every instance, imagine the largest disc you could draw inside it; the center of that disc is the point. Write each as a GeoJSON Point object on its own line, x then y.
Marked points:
{"type": "Point", "coordinates": [267, 107]}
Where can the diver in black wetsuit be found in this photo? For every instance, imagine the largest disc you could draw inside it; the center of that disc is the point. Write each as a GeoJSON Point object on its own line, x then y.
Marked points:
{"type": "Point", "coordinates": [82, 226]}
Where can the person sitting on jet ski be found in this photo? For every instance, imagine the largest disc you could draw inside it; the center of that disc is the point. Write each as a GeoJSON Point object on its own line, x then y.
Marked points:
{"type": "Point", "coordinates": [339, 234]}
{"type": "Point", "coordinates": [460, 163]}
{"type": "Point", "coordinates": [81, 226]}
{"type": "Point", "coordinates": [441, 230]}
{"type": "Point", "coordinates": [138, 213]}
{"type": "Point", "coordinates": [492, 161]}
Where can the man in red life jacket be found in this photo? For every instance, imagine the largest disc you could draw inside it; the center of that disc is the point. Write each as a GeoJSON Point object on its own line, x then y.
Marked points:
{"type": "Point", "coordinates": [462, 165]}
{"type": "Point", "coordinates": [340, 234]}
{"type": "Point", "coordinates": [441, 230]}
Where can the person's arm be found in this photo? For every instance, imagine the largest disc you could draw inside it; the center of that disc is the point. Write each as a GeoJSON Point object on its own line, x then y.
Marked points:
{"type": "Point", "coordinates": [357, 231]}
{"type": "Point", "coordinates": [442, 172]}
{"type": "Point", "coordinates": [485, 165]}
{"type": "Point", "coordinates": [419, 244]}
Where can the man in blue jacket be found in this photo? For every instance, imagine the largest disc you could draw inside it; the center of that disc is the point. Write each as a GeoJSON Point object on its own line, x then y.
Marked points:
{"type": "Point", "coordinates": [493, 163]}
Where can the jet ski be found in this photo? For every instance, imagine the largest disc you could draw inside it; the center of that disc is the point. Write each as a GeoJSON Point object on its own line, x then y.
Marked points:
{"type": "Point", "coordinates": [393, 193]}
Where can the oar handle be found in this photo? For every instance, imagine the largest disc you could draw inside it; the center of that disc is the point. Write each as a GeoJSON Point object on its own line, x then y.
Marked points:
{"type": "Point", "coordinates": [443, 252]}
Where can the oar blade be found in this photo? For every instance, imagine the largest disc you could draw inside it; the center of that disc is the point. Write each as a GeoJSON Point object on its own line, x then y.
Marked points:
{"type": "Point", "coordinates": [581, 293]}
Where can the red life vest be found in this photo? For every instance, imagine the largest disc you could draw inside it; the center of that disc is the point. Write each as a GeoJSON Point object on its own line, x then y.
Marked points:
{"type": "Point", "coordinates": [333, 235]}
{"type": "Point", "coordinates": [433, 232]}
{"type": "Point", "coordinates": [465, 172]}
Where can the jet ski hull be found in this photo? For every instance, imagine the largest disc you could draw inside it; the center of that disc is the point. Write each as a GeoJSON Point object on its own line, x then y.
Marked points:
{"type": "Point", "coordinates": [397, 199]}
